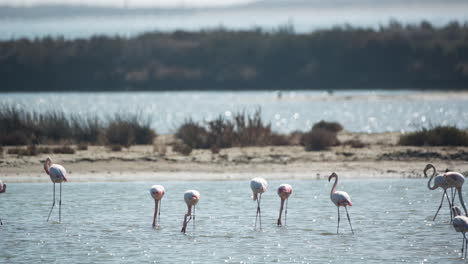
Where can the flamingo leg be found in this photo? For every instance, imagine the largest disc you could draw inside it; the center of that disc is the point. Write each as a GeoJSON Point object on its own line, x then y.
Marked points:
{"type": "Point", "coordinates": [159, 211]}
{"type": "Point", "coordinates": [280, 213]}
{"type": "Point", "coordinates": [286, 212]}
{"type": "Point", "coordinates": [60, 204]}
{"type": "Point", "coordinates": [193, 217]}
{"type": "Point", "coordinates": [53, 204]}
{"type": "Point", "coordinates": [1, 223]}
{"type": "Point", "coordinates": [338, 226]}
{"type": "Point", "coordinates": [460, 197]}
{"type": "Point", "coordinates": [440, 206]}
{"type": "Point", "coordinates": [349, 220]}
{"type": "Point", "coordinates": [155, 213]}
{"type": "Point", "coordinates": [259, 211]}
{"type": "Point", "coordinates": [257, 214]}
{"type": "Point", "coordinates": [188, 214]}
{"type": "Point", "coordinates": [466, 244]}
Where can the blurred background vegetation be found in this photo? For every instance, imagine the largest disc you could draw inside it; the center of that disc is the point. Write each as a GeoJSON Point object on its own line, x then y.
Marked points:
{"type": "Point", "coordinates": [395, 56]}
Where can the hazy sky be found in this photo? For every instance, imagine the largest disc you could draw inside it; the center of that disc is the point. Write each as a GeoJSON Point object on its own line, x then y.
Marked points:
{"type": "Point", "coordinates": [131, 3]}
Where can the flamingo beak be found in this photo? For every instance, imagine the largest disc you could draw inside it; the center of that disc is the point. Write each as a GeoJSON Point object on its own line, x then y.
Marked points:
{"type": "Point", "coordinates": [329, 177]}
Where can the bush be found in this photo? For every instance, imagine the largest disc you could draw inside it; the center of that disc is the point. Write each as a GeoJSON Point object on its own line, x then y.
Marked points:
{"type": "Point", "coordinates": [437, 136]}
{"type": "Point", "coordinates": [82, 146]}
{"type": "Point", "coordinates": [330, 126]}
{"type": "Point", "coordinates": [182, 148]}
{"type": "Point", "coordinates": [318, 139]}
{"type": "Point", "coordinates": [115, 148]}
{"type": "Point", "coordinates": [193, 135]}
{"type": "Point", "coordinates": [128, 130]}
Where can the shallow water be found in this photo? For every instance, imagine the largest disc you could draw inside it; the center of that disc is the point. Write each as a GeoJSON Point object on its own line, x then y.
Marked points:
{"type": "Point", "coordinates": [295, 110]}
{"type": "Point", "coordinates": [111, 223]}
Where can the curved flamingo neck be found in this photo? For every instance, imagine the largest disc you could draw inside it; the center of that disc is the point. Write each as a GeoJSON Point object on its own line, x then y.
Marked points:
{"type": "Point", "coordinates": [430, 179]}
{"type": "Point", "coordinates": [47, 166]}
{"type": "Point", "coordinates": [333, 190]}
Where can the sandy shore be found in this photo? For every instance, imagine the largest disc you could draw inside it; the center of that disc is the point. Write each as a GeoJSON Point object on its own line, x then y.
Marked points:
{"type": "Point", "coordinates": [380, 158]}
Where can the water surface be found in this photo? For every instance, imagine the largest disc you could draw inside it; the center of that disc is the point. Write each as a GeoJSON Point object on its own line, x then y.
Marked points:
{"type": "Point", "coordinates": [358, 111]}
{"type": "Point", "coordinates": [111, 223]}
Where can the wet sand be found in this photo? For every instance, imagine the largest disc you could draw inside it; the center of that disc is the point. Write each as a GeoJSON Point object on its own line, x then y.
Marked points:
{"type": "Point", "coordinates": [380, 158]}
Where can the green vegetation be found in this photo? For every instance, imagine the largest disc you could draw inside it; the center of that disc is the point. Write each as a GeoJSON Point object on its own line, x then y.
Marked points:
{"type": "Point", "coordinates": [20, 127]}
{"type": "Point", "coordinates": [437, 136]}
{"type": "Point", "coordinates": [394, 57]}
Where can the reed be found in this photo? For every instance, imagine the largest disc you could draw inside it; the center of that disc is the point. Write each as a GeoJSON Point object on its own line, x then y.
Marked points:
{"type": "Point", "coordinates": [437, 136]}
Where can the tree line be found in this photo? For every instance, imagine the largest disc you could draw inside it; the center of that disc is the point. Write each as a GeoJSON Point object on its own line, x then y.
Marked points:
{"type": "Point", "coordinates": [394, 56]}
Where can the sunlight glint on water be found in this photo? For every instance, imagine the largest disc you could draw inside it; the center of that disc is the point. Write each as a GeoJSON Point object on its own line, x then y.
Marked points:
{"type": "Point", "coordinates": [111, 223]}
{"type": "Point", "coordinates": [295, 110]}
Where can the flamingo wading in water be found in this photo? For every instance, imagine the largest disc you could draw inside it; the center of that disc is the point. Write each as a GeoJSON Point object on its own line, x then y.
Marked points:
{"type": "Point", "coordinates": [340, 198]}
{"type": "Point", "coordinates": [460, 223]}
{"type": "Point", "coordinates": [456, 180]}
{"type": "Point", "coordinates": [191, 198]}
{"type": "Point", "coordinates": [258, 186]}
{"type": "Point", "coordinates": [439, 181]}
{"type": "Point", "coordinates": [57, 174]}
{"type": "Point", "coordinates": [157, 192]}
{"type": "Point", "coordinates": [284, 191]}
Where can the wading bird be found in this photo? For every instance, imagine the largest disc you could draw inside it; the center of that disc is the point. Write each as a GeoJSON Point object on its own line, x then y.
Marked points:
{"type": "Point", "coordinates": [258, 186]}
{"type": "Point", "coordinates": [157, 192]}
{"type": "Point", "coordinates": [191, 198]}
{"type": "Point", "coordinates": [447, 180]}
{"type": "Point", "coordinates": [284, 191]}
{"type": "Point", "coordinates": [460, 223]}
{"type": "Point", "coordinates": [57, 174]}
{"type": "Point", "coordinates": [2, 187]}
{"type": "Point", "coordinates": [340, 198]}
{"type": "Point", "coordinates": [456, 180]}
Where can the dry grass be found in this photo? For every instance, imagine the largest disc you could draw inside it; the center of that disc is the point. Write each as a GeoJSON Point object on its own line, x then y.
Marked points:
{"type": "Point", "coordinates": [437, 136]}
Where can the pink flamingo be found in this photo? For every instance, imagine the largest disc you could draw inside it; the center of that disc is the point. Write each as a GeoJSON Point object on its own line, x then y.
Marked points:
{"type": "Point", "coordinates": [439, 181]}
{"type": "Point", "coordinates": [340, 198]}
{"type": "Point", "coordinates": [57, 174]}
{"type": "Point", "coordinates": [460, 223]}
{"type": "Point", "coordinates": [258, 186]}
{"type": "Point", "coordinates": [191, 198]}
{"type": "Point", "coordinates": [456, 180]}
{"type": "Point", "coordinates": [157, 192]}
{"type": "Point", "coordinates": [284, 191]}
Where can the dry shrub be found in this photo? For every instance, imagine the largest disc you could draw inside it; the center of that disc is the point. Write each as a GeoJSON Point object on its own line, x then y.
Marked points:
{"type": "Point", "coordinates": [330, 126]}
{"type": "Point", "coordinates": [181, 148]}
{"type": "Point", "coordinates": [115, 148]}
{"type": "Point", "coordinates": [128, 130]}
{"type": "Point", "coordinates": [318, 139]}
{"type": "Point", "coordinates": [193, 135]}
{"type": "Point", "coordinates": [437, 136]}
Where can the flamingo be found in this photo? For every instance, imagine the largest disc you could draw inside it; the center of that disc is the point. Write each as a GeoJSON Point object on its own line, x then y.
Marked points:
{"type": "Point", "coordinates": [191, 198]}
{"type": "Point", "coordinates": [460, 223]}
{"type": "Point", "coordinates": [439, 181]}
{"type": "Point", "coordinates": [157, 192]}
{"type": "Point", "coordinates": [258, 186]}
{"type": "Point", "coordinates": [2, 187]}
{"type": "Point", "coordinates": [340, 198]}
{"type": "Point", "coordinates": [456, 180]}
{"type": "Point", "coordinates": [2, 190]}
{"type": "Point", "coordinates": [57, 175]}
{"type": "Point", "coordinates": [284, 191]}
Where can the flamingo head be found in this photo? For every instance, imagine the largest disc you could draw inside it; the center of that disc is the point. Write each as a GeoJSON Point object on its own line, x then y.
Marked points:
{"type": "Point", "coordinates": [456, 211]}
{"type": "Point", "coordinates": [428, 166]}
{"type": "Point", "coordinates": [47, 164]}
{"type": "Point", "coordinates": [333, 175]}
